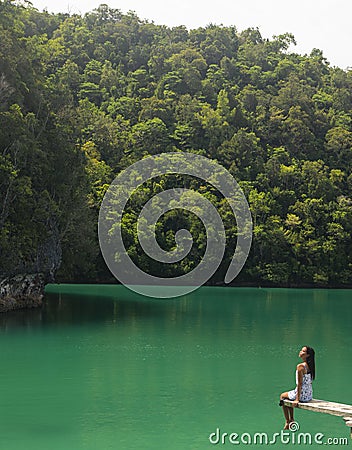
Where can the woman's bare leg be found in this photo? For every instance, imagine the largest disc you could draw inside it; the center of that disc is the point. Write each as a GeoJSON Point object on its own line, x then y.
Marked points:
{"type": "Point", "coordinates": [286, 411]}
{"type": "Point", "coordinates": [290, 413]}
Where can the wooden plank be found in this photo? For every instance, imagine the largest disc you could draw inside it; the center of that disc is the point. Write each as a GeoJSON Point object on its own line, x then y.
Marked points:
{"type": "Point", "coordinates": [323, 406]}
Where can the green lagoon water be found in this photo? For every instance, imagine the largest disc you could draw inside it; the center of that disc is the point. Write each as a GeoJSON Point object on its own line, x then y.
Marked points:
{"type": "Point", "coordinates": [100, 367]}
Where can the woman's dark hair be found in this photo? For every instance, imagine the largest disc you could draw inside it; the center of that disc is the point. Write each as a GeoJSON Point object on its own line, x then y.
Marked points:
{"type": "Point", "coordinates": [311, 361]}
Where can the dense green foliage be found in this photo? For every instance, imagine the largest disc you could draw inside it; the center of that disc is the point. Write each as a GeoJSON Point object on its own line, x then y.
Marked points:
{"type": "Point", "coordinates": [81, 98]}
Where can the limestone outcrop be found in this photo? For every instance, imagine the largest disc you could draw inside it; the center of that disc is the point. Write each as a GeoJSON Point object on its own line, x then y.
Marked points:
{"type": "Point", "coordinates": [21, 291]}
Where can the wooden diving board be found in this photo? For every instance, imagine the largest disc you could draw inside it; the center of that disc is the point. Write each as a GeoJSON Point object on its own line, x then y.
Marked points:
{"type": "Point", "coordinates": [323, 406]}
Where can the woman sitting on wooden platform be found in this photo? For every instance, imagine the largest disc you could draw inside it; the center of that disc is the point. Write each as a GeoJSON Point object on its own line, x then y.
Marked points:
{"type": "Point", "coordinates": [303, 392]}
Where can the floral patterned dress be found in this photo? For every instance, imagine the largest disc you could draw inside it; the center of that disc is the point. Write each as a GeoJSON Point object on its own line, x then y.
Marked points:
{"type": "Point", "coordinates": [306, 390]}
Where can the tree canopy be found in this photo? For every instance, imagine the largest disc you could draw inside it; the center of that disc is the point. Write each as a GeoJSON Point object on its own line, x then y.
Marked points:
{"type": "Point", "coordinates": [83, 97]}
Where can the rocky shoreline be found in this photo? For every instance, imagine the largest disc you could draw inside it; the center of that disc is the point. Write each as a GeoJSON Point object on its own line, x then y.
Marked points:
{"type": "Point", "coordinates": [21, 291]}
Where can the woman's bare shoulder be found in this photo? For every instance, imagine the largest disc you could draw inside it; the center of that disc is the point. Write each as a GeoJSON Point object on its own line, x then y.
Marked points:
{"type": "Point", "coordinates": [300, 366]}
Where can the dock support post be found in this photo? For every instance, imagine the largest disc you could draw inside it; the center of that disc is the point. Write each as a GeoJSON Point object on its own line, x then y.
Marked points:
{"type": "Point", "coordinates": [348, 422]}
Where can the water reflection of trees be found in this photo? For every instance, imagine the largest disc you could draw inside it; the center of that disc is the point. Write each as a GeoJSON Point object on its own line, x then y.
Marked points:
{"type": "Point", "coordinates": [28, 318]}
{"type": "Point", "coordinates": [251, 311]}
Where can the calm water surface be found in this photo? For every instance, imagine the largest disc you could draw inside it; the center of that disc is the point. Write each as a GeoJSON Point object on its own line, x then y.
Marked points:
{"type": "Point", "coordinates": [100, 367]}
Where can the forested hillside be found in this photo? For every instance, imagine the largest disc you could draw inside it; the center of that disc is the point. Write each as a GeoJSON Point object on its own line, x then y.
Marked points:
{"type": "Point", "coordinates": [81, 98]}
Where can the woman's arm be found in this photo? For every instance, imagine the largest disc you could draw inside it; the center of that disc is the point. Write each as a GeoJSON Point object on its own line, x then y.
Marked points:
{"type": "Point", "coordinates": [300, 370]}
